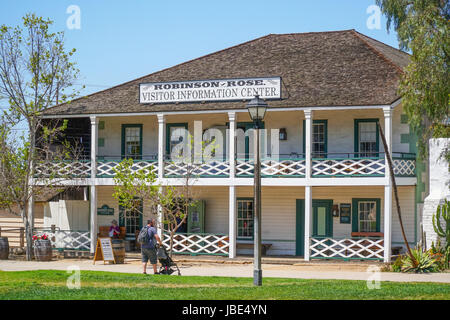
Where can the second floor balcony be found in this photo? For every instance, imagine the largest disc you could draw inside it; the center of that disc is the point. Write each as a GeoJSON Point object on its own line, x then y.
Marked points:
{"type": "Point", "coordinates": [335, 165]}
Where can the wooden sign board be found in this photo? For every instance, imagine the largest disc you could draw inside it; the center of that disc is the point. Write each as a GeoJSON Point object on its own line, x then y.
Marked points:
{"type": "Point", "coordinates": [104, 250]}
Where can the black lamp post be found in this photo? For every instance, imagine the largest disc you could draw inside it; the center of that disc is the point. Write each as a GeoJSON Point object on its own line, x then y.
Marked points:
{"type": "Point", "coordinates": [257, 109]}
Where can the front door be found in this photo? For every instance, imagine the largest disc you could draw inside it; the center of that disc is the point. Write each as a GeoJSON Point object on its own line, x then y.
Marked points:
{"type": "Point", "coordinates": [322, 221]}
{"type": "Point", "coordinates": [131, 219]}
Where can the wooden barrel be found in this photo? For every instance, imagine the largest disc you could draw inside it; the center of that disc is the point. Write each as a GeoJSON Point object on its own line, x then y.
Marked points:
{"type": "Point", "coordinates": [4, 248]}
{"type": "Point", "coordinates": [118, 250]}
{"type": "Point", "coordinates": [43, 250]}
{"type": "Point", "coordinates": [129, 245]}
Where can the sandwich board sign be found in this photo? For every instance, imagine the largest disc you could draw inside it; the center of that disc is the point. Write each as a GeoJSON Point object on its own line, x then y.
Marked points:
{"type": "Point", "coordinates": [104, 250]}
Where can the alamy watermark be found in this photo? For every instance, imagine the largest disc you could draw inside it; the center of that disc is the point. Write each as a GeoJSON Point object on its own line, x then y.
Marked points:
{"type": "Point", "coordinates": [374, 279]}
{"type": "Point", "coordinates": [73, 22]}
{"type": "Point", "coordinates": [374, 20]}
{"type": "Point", "coordinates": [74, 280]}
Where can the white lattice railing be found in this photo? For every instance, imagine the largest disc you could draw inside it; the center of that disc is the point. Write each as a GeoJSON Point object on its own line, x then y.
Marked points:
{"type": "Point", "coordinates": [348, 167]}
{"type": "Point", "coordinates": [273, 168]}
{"type": "Point", "coordinates": [105, 168]}
{"type": "Point", "coordinates": [198, 243]}
{"type": "Point", "coordinates": [206, 169]}
{"type": "Point", "coordinates": [57, 169]}
{"type": "Point", "coordinates": [329, 248]}
{"type": "Point", "coordinates": [404, 167]}
{"type": "Point", "coordinates": [69, 239]}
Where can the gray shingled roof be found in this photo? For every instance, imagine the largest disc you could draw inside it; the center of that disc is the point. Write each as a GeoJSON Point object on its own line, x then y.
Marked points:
{"type": "Point", "coordinates": [338, 68]}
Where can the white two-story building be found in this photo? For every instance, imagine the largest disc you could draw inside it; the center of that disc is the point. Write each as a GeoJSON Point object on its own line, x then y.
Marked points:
{"type": "Point", "coordinates": [326, 189]}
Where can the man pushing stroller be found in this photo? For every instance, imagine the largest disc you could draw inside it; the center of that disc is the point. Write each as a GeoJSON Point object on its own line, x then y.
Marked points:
{"type": "Point", "coordinates": [148, 237]}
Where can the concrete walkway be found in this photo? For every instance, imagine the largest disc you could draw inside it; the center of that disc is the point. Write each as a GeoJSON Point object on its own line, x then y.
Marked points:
{"type": "Point", "coordinates": [302, 271]}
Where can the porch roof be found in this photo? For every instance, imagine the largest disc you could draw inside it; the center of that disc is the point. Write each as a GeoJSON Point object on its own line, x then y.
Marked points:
{"type": "Point", "coordinates": [337, 68]}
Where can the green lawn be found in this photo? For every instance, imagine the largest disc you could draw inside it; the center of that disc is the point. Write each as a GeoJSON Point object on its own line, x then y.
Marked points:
{"type": "Point", "coordinates": [49, 284]}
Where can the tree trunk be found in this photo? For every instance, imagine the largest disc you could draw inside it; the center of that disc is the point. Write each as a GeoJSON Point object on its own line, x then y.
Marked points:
{"type": "Point", "coordinates": [394, 186]}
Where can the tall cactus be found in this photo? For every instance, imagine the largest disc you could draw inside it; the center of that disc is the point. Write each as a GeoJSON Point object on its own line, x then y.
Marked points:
{"type": "Point", "coordinates": [444, 212]}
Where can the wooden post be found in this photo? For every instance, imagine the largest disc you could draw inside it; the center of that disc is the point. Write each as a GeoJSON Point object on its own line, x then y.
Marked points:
{"type": "Point", "coordinates": [0, 231]}
{"type": "Point", "coordinates": [21, 237]}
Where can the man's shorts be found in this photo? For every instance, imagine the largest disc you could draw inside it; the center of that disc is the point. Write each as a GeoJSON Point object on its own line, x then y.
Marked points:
{"type": "Point", "coordinates": [148, 254]}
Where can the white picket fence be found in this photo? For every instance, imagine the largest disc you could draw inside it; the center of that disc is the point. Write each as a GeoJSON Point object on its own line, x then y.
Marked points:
{"type": "Point", "coordinates": [198, 243]}
{"type": "Point", "coordinates": [364, 248]}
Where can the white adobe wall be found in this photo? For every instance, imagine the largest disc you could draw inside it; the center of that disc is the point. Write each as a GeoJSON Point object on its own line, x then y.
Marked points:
{"type": "Point", "coordinates": [439, 177]}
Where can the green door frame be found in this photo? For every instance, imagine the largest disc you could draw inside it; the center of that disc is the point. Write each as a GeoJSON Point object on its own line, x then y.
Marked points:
{"type": "Point", "coordinates": [329, 216]}
{"type": "Point", "coordinates": [300, 222]}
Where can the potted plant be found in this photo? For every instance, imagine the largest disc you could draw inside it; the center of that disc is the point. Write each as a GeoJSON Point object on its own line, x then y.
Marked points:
{"type": "Point", "coordinates": [42, 247]}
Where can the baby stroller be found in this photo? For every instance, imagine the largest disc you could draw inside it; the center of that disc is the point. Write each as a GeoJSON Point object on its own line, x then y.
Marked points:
{"type": "Point", "coordinates": [166, 262]}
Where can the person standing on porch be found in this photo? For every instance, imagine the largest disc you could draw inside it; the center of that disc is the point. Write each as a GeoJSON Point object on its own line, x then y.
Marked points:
{"type": "Point", "coordinates": [148, 250]}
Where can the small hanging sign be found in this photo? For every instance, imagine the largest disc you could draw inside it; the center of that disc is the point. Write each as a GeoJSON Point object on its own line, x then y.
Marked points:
{"type": "Point", "coordinates": [105, 211]}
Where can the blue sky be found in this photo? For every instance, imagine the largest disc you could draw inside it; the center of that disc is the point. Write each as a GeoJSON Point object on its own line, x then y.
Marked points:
{"type": "Point", "coordinates": [122, 40]}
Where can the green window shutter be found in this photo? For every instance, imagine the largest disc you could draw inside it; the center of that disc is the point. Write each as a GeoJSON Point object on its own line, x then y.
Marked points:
{"type": "Point", "coordinates": [355, 215]}
{"type": "Point", "coordinates": [101, 125]}
{"type": "Point", "coordinates": [101, 142]}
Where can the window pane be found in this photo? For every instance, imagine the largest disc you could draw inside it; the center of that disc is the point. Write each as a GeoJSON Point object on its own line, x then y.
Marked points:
{"type": "Point", "coordinates": [245, 218]}
{"type": "Point", "coordinates": [367, 215]}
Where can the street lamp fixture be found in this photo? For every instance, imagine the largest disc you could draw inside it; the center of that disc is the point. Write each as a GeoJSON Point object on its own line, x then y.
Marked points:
{"type": "Point", "coordinates": [257, 109]}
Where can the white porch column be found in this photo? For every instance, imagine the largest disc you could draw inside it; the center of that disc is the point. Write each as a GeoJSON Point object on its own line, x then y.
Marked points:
{"type": "Point", "coordinates": [161, 152]}
{"type": "Point", "coordinates": [308, 135]}
{"type": "Point", "coordinates": [232, 188]}
{"type": "Point", "coordinates": [161, 144]}
{"type": "Point", "coordinates": [232, 222]}
{"type": "Point", "coordinates": [93, 193]}
{"type": "Point", "coordinates": [388, 187]}
{"type": "Point", "coordinates": [308, 215]}
{"type": "Point", "coordinates": [232, 144]}
{"type": "Point", "coordinates": [308, 188]}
